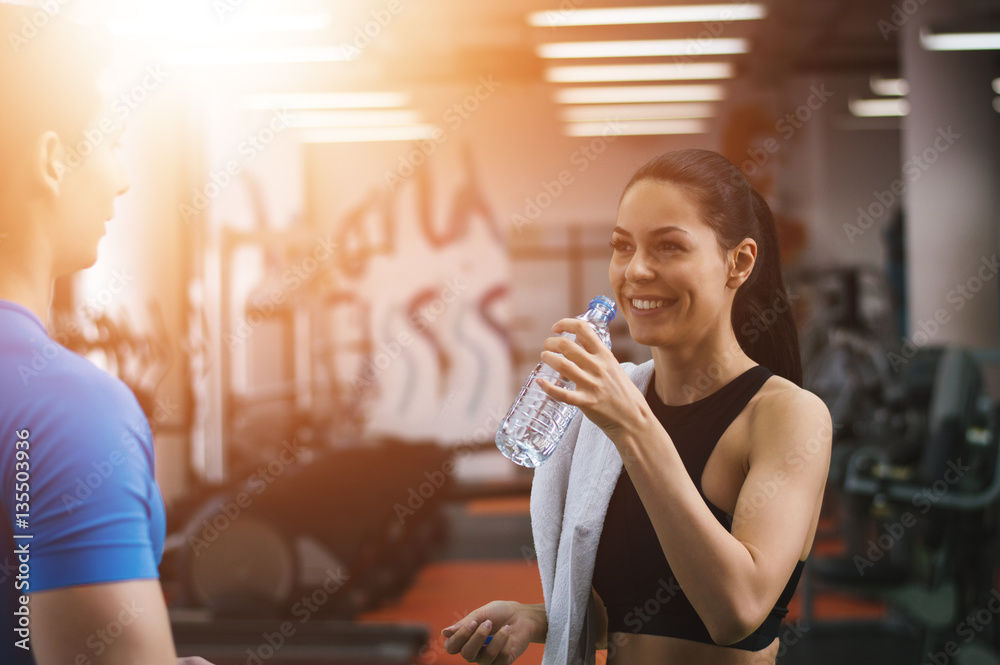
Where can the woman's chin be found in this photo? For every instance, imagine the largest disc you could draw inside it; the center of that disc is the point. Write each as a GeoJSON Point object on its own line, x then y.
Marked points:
{"type": "Point", "coordinates": [650, 338]}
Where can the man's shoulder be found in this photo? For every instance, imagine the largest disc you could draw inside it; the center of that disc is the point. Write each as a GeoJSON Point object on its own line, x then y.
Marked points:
{"type": "Point", "coordinates": [34, 367]}
{"type": "Point", "coordinates": [64, 400]}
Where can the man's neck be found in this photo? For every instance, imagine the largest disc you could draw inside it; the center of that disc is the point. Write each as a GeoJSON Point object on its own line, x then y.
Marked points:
{"type": "Point", "coordinates": [25, 278]}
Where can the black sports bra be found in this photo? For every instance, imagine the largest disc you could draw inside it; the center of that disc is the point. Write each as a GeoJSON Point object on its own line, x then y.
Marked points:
{"type": "Point", "coordinates": [631, 574]}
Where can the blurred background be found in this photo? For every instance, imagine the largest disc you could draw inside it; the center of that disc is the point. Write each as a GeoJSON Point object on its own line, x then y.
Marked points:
{"type": "Point", "coordinates": [352, 223]}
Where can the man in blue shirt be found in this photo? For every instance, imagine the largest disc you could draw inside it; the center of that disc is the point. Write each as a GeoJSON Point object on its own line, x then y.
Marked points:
{"type": "Point", "coordinates": [81, 517]}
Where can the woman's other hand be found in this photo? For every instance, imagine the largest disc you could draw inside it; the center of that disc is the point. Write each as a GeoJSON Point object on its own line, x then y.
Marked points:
{"type": "Point", "coordinates": [513, 626]}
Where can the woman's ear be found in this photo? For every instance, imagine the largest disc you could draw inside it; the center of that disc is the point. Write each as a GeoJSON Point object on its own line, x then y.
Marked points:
{"type": "Point", "coordinates": [741, 262]}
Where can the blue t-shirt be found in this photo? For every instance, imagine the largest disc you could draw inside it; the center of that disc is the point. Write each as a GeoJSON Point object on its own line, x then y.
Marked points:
{"type": "Point", "coordinates": [77, 485]}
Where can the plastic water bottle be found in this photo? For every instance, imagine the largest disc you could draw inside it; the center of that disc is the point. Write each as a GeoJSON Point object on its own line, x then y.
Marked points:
{"type": "Point", "coordinates": [536, 422]}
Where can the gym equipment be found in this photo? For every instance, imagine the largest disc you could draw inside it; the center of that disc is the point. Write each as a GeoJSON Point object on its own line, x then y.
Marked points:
{"type": "Point", "coordinates": [845, 338]}
{"type": "Point", "coordinates": [367, 517]}
{"type": "Point", "coordinates": [310, 642]}
{"type": "Point", "coordinates": [140, 360]}
{"type": "Point", "coordinates": [935, 555]}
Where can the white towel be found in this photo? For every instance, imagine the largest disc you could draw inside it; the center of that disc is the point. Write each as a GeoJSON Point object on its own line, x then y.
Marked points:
{"type": "Point", "coordinates": [569, 498]}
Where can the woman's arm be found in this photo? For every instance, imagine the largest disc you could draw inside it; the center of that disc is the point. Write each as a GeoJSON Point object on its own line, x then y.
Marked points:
{"type": "Point", "coordinates": [732, 579]}
{"type": "Point", "coordinates": [601, 618]}
{"type": "Point", "coordinates": [541, 620]}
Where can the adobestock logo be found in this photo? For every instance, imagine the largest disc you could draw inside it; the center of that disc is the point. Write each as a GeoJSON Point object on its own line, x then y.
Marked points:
{"type": "Point", "coordinates": [31, 27]}
{"type": "Point", "coordinates": [369, 32]}
{"type": "Point", "coordinates": [786, 126]}
{"type": "Point", "coordinates": [913, 169]}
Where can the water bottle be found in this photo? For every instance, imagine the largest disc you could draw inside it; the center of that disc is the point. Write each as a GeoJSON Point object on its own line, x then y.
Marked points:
{"type": "Point", "coordinates": [535, 424]}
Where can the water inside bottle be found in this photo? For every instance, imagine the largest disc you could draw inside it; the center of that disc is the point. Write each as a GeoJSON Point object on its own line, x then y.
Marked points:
{"type": "Point", "coordinates": [535, 424]}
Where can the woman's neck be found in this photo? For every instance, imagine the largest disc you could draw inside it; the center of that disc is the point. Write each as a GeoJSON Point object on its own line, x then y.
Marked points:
{"type": "Point", "coordinates": [687, 373]}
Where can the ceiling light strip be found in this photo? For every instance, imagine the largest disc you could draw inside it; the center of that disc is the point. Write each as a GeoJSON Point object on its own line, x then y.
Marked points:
{"type": "Point", "coordinates": [878, 108]}
{"type": "Point", "coordinates": [368, 118]}
{"type": "Point", "coordinates": [642, 93]}
{"type": "Point", "coordinates": [326, 100]}
{"type": "Point", "coordinates": [636, 127]}
{"type": "Point", "coordinates": [608, 112]}
{"type": "Point", "coordinates": [367, 134]}
{"type": "Point", "coordinates": [643, 15]}
{"type": "Point", "coordinates": [680, 71]}
{"type": "Point", "coordinates": [960, 41]}
{"type": "Point", "coordinates": [258, 56]}
{"type": "Point", "coordinates": [643, 48]}
{"type": "Point", "coordinates": [895, 87]}
{"type": "Point", "coordinates": [238, 25]}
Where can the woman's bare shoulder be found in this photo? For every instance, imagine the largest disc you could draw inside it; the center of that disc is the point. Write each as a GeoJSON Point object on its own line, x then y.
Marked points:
{"type": "Point", "coordinates": [783, 407]}
{"type": "Point", "coordinates": [780, 393]}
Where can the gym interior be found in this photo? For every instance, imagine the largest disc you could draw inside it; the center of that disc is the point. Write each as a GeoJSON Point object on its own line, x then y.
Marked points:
{"type": "Point", "coordinates": [352, 224]}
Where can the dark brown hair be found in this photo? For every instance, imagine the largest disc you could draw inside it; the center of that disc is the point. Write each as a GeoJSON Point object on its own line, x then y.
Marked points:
{"type": "Point", "coordinates": [762, 317]}
{"type": "Point", "coordinates": [49, 73]}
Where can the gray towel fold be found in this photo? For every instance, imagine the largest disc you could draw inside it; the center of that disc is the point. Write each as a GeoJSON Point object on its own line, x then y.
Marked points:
{"type": "Point", "coordinates": [569, 499]}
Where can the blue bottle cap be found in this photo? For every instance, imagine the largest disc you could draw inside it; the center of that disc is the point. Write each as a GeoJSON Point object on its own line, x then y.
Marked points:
{"type": "Point", "coordinates": [606, 302]}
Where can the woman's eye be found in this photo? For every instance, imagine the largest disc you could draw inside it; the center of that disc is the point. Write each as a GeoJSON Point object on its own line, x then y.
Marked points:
{"type": "Point", "coordinates": [668, 246]}
{"type": "Point", "coordinates": [619, 245]}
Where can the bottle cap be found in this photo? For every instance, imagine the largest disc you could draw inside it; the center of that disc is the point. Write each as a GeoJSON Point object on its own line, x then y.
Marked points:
{"type": "Point", "coordinates": [606, 302]}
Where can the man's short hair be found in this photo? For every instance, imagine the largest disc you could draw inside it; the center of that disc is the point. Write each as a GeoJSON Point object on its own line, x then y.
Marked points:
{"type": "Point", "coordinates": [49, 80]}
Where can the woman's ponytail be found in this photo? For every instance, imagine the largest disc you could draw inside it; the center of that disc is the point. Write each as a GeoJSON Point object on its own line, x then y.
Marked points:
{"type": "Point", "coordinates": [762, 313]}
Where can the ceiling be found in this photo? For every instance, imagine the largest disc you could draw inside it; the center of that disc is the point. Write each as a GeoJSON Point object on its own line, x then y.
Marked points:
{"type": "Point", "coordinates": [416, 45]}
{"type": "Point", "coordinates": [444, 40]}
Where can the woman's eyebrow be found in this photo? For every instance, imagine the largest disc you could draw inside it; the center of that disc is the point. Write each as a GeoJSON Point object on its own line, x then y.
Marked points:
{"type": "Point", "coordinates": [663, 230]}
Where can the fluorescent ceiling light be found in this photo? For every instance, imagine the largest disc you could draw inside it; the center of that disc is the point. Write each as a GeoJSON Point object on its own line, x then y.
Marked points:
{"type": "Point", "coordinates": [326, 100]}
{"type": "Point", "coordinates": [259, 56]}
{"type": "Point", "coordinates": [878, 108]}
{"type": "Point", "coordinates": [238, 25]}
{"type": "Point", "coordinates": [673, 72]}
{"type": "Point", "coordinates": [636, 127]}
{"type": "Point", "coordinates": [996, 104]}
{"type": "Point", "coordinates": [379, 118]}
{"type": "Point", "coordinates": [960, 41]}
{"type": "Point", "coordinates": [996, 85]}
{"type": "Point", "coordinates": [640, 93]}
{"type": "Point", "coordinates": [367, 134]}
{"type": "Point", "coordinates": [608, 112]}
{"type": "Point", "coordinates": [889, 87]}
{"type": "Point", "coordinates": [638, 15]}
{"type": "Point", "coordinates": [643, 48]}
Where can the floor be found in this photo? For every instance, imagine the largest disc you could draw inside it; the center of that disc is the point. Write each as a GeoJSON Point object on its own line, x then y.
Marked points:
{"type": "Point", "coordinates": [485, 561]}
{"type": "Point", "coordinates": [489, 557]}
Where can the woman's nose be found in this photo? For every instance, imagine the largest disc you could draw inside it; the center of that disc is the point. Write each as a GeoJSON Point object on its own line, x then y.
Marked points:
{"type": "Point", "coordinates": [638, 269]}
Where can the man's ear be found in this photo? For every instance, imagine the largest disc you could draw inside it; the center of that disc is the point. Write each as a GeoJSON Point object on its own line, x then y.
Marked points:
{"type": "Point", "coordinates": [49, 164]}
{"type": "Point", "coordinates": [741, 262]}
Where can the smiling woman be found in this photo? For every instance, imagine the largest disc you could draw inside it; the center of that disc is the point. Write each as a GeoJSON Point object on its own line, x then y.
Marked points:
{"type": "Point", "coordinates": [730, 216]}
{"type": "Point", "coordinates": [652, 539]}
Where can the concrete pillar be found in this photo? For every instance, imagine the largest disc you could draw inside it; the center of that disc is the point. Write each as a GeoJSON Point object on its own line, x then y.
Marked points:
{"type": "Point", "coordinates": [951, 172]}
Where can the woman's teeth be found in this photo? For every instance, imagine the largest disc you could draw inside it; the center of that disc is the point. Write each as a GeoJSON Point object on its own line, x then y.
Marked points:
{"type": "Point", "coordinates": [647, 304]}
